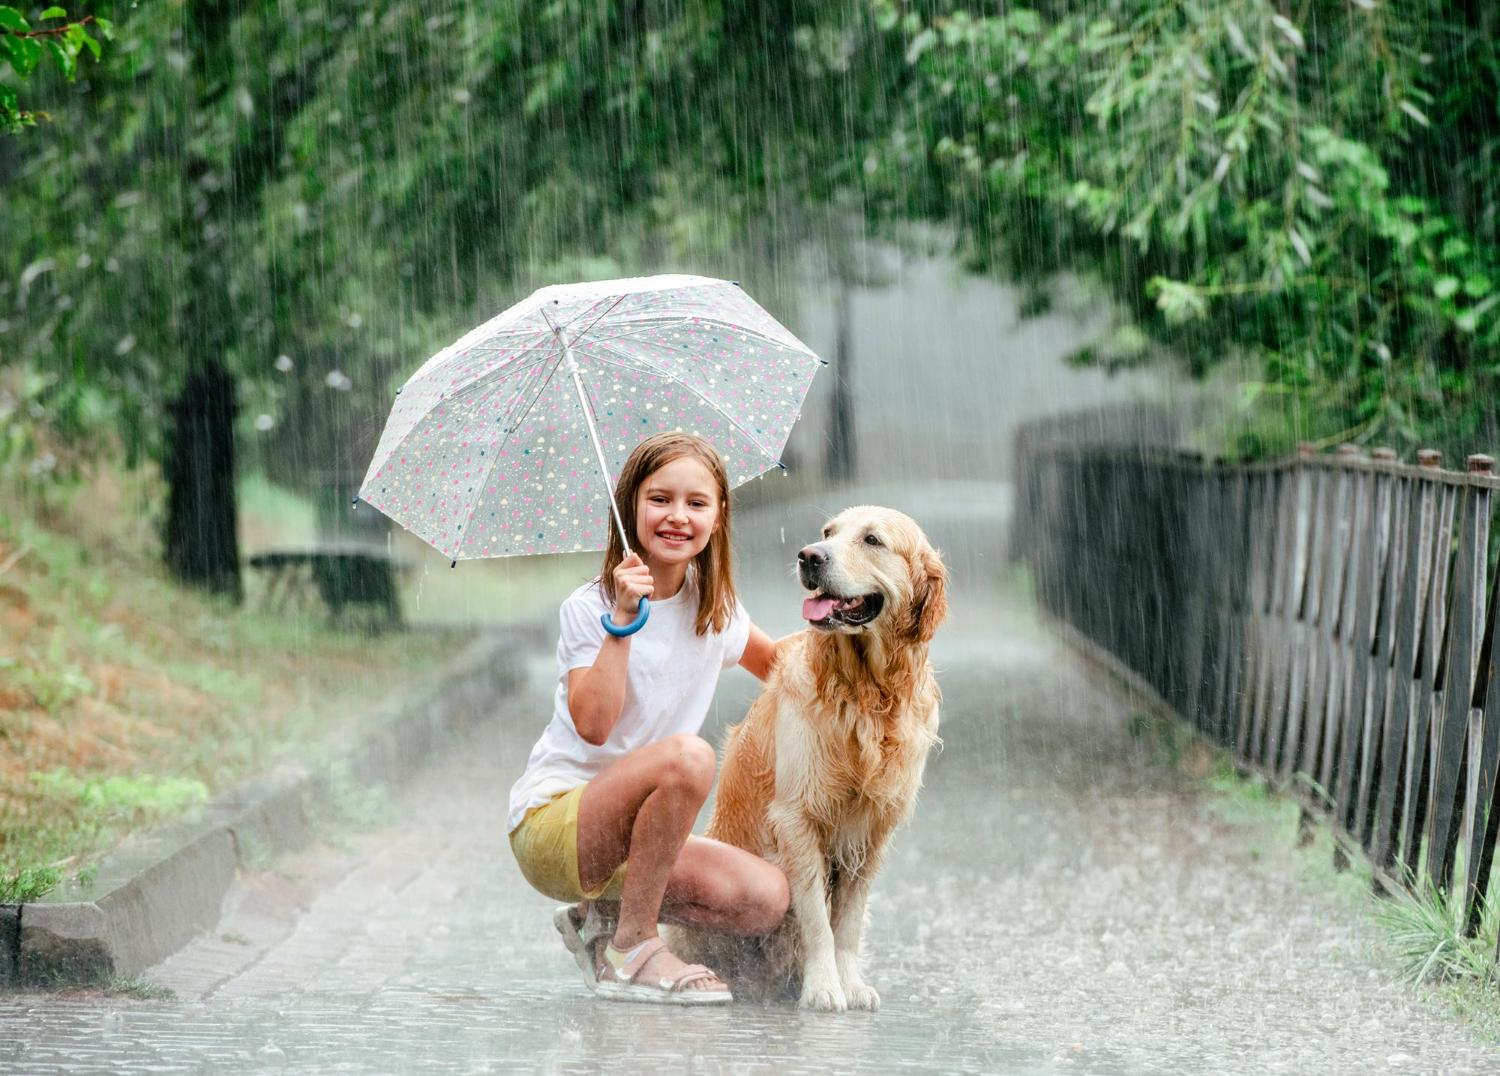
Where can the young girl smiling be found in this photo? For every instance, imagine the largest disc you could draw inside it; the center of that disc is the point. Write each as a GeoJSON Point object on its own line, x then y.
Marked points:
{"type": "Point", "coordinates": [620, 772]}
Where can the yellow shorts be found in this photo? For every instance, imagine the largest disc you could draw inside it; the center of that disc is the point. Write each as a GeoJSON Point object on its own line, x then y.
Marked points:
{"type": "Point", "coordinates": [546, 847]}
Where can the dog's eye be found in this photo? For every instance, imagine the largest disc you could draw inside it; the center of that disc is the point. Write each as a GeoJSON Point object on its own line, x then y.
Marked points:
{"type": "Point", "coordinates": [870, 539]}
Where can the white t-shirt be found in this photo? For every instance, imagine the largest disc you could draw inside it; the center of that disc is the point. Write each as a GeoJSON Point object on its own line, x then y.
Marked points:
{"type": "Point", "coordinates": [669, 682]}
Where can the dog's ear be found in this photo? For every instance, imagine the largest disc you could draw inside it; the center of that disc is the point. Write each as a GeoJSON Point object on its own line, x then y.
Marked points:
{"type": "Point", "coordinates": [929, 606]}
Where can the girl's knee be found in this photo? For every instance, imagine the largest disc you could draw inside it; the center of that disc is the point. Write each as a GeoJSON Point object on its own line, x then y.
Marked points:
{"type": "Point", "coordinates": [763, 900]}
{"type": "Point", "coordinates": [689, 764]}
{"type": "Point", "coordinates": [776, 898]}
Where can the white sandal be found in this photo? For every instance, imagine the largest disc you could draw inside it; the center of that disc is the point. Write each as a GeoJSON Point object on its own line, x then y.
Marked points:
{"type": "Point", "coordinates": [616, 979]}
{"type": "Point", "coordinates": [579, 934]}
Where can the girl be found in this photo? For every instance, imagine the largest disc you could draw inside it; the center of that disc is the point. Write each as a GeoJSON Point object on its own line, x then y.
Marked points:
{"type": "Point", "coordinates": [620, 772]}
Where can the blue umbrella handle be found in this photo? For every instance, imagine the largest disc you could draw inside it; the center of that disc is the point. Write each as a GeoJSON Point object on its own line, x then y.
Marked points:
{"type": "Point", "coordinates": [629, 629]}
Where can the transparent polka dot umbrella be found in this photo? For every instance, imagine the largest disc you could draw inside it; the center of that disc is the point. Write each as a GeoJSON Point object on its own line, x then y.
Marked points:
{"type": "Point", "coordinates": [510, 440]}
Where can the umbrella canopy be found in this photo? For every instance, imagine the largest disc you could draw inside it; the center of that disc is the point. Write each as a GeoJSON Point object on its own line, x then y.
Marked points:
{"type": "Point", "coordinates": [488, 451]}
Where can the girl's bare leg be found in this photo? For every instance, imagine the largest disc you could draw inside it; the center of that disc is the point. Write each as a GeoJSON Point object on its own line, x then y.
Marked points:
{"type": "Point", "coordinates": [721, 887]}
{"type": "Point", "coordinates": [642, 808]}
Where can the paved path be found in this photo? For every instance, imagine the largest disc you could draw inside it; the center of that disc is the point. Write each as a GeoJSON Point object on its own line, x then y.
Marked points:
{"type": "Point", "coordinates": [1062, 903]}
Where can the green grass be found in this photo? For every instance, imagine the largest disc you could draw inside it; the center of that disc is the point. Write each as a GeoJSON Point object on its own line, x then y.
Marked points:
{"type": "Point", "coordinates": [133, 986]}
{"type": "Point", "coordinates": [1423, 934]}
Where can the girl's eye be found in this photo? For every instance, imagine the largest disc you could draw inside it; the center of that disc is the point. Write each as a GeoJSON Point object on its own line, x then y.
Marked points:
{"type": "Point", "coordinates": [870, 539]}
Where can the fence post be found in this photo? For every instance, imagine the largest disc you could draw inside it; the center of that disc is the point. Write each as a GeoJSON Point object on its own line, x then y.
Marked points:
{"type": "Point", "coordinates": [1428, 682]}
{"type": "Point", "coordinates": [1281, 756]}
{"type": "Point", "coordinates": [1225, 653]}
{"type": "Point", "coordinates": [1298, 643]}
{"type": "Point", "coordinates": [1270, 720]}
{"type": "Point", "coordinates": [1365, 567]}
{"type": "Point", "coordinates": [1307, 667]}
{"type": "Point", "coordinates": [1457, 678]}
{"type": "Point", "coordinates": [1410, 559]}
{"type": "Point", "coordinates": [1267, 568]}
{"type": "Point", "coordinates": [1200, 608]}
{"type": "Point", "coordinates": [1336, 620]}
{"type": "Point", "coordinates": [1386, 575]}
{"type": "Point", "coordinates": [1241, 602]}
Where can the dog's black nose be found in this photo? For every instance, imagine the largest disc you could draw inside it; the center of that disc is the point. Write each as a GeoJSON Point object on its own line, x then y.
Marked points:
{"type": "Point", "coordinates": [812, 557]}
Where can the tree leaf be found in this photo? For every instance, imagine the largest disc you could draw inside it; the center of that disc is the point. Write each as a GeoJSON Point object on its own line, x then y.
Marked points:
{"type": "Point", "coordinates": [25, 55]}
{"type": "Point", "coordinates": [10, 19]}
{"type": "Point", "coordinates": [64, 59]}
{"type": "Point", "coordinates": [54, 13]}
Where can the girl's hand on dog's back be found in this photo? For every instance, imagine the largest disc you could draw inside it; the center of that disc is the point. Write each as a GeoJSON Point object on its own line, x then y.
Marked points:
{"type": "Point", "coordinates": [632, 583]}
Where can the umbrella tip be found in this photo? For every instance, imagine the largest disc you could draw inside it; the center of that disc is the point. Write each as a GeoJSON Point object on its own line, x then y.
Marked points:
{"type": "Point", "coordinates": [355, 502]}
{"type": "Point", "coordinates": [454, 564]}
{"type": "Point", "coordinates": [823, 361]}
{"type": "Point", "coordinates": [736, 283]}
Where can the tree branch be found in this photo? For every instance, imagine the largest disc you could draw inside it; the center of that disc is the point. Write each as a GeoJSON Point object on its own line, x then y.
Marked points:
{"type": "Point", "coordinates": [49, 33]}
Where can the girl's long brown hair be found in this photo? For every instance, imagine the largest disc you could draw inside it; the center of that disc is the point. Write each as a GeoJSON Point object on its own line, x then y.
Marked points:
{"type": "Point", "coordinates": [716, 598]}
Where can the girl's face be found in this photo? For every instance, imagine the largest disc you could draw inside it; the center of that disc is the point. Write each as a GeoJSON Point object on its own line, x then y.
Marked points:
{"type": "Point", "coordinates": [676, 511]}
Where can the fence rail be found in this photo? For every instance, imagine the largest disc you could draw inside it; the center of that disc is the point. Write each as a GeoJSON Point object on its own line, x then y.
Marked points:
{"type": "Point", "coordinates": [1329, 619]}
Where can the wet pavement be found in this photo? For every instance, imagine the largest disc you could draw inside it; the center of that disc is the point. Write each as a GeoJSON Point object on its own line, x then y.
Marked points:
{"type": "Point", "coordinates": [1063, 902]}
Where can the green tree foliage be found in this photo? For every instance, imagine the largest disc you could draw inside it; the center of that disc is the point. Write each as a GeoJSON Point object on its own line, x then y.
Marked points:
{"type": "Point", "coordinates": [22, 47]}
{"type": "Point", "coordinates": [1311, 183]}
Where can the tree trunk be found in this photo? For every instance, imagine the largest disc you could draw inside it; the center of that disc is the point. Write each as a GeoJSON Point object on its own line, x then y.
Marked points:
{"type": "Point", "coordinates": [202, 542]}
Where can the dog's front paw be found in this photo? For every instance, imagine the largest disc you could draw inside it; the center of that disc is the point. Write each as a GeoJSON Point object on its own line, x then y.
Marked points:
{"type": "Point", "coordinates": [861, 995]}
{"type": "Point", "coordinates": [822, 993]}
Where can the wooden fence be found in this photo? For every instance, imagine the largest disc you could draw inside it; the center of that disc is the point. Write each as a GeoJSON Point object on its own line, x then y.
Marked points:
{"type": "Point", "coordinates": [1329, 619]}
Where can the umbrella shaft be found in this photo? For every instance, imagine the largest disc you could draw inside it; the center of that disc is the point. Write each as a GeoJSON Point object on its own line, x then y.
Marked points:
{"type": "Point", "coordinates": [588, 417]}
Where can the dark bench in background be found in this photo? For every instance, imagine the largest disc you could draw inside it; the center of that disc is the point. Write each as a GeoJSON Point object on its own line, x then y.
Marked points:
{"type": "Point", "coordinates": [353, 583]}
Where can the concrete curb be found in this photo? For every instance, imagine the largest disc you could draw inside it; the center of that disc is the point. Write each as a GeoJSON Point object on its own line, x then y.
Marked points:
{"type": "Point", "coordinates": [157, 891]}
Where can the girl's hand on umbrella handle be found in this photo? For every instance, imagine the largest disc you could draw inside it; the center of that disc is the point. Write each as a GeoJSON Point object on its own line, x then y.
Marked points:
{"type": "Point", "coordinates": [632, 583]}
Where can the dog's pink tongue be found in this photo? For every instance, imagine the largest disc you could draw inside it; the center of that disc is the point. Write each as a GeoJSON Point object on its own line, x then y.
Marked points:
{"type": "Point", "coordinates": [816, 608]}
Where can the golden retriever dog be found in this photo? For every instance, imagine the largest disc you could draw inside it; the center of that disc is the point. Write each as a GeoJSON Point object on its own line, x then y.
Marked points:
{"type": "Point", "coordinates": [829, 759]}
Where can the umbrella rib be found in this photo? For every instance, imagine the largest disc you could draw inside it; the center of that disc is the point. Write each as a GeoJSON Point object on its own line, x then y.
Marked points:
{"type": "Point", "coordinates": [477, 382]}
{"type": "Point", "coordinates": [727, 327]}
{"type": "Point", "coordinates": [501, 368]}
{"type": "Point", "coordinates": [677, 381]}
{"type": "Point", "coordinates": [780, 345]}
{"type": "Point", "coordinates": [510, 435]}
{"type": "Point", "coordinates": [637, 332]}
{"type": "Point", "coordinates": [618, 300]}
